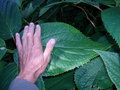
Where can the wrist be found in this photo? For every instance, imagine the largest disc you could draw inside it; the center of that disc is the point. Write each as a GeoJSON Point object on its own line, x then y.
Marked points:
{"type": "Point", "coordinates": [27, 76]}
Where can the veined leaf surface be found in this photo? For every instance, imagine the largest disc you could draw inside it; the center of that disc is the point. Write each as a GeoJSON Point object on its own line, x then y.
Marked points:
{"type": "Point", "coordinates": [10, 19]}
{"type": "Point", "coordinates": [112, 63]}
{"type": "Point", "coordinates": [111, 20]}
{"type": "Point", "coordinates": [92, 75]}
{"type": "Point", "coordinates": [72, 48]}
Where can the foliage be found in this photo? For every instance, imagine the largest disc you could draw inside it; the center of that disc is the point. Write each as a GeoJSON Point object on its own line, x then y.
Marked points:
{"type": "Point", "coordinates": [84, 29]}
{"type": "Point", "coordinates": [92, 75]}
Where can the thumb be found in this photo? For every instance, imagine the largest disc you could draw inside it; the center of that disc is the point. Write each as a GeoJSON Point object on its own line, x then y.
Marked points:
{"type": "Point", "coordinates": [48, 50]}
{"type": "Point", "coordinates": [49, 47]}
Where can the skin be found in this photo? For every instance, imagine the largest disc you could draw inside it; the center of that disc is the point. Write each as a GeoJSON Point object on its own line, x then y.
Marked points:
{"type": "Point", "coordinates": [33, 61]}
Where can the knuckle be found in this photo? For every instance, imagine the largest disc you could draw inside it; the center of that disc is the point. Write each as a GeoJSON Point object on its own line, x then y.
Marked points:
{"type": "Point", "coordinates": [29, 35]}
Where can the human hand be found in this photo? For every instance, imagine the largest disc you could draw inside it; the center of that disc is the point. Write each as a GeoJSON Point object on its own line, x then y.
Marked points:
{"type": "Point", "coordinates": [33, 61]}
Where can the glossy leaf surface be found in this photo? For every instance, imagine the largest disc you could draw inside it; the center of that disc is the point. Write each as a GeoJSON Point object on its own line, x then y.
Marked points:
{"type": "Point", "coordinates": [10, 19]}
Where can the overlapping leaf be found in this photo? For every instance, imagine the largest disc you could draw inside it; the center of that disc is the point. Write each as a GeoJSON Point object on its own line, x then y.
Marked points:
{"type": "Point", "coordinates": [112, 63]}
{"type": "Point", "coordinates": [7, 75]}
{"type": "Point", "coordinates": [72, 48]}
{"type": "Point", "coordinates": [92, 75]}
{"type": "Point", "coordinates": [10, 19]}
{"type": "Point", "coordinates": [111, 20]}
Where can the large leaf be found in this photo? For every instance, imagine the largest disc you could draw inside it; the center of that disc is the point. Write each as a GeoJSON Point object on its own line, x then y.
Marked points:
{"type": "Point", "coordinates": [92, 75]}
{"type": "Point", "coordinates": [2, 48]}
{"type": "Point", "coordinates": [7, 75]}
{"type": "Point", "coordinates": [111, 20]}
{"type": "Point", "coordinates": [10, 19]}
{"type": "Point", "coordinates": [60, 82]}
{"type": "Point", "coordinates": [72, 48]}
{"type": "Point", "coordinates": [112, 63]}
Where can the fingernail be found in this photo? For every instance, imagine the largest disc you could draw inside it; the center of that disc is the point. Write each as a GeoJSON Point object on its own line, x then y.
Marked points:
{"type": "Point", "coordinates": [17, 34]}
{"type": "Point", "coordinates": [26, 27]}
{"type": "Point", "coordinates": [53, 41]}
{"type": "Point", "coordinates": [37, 25]}
{"type": "Point", "coordinates": [31, 24]}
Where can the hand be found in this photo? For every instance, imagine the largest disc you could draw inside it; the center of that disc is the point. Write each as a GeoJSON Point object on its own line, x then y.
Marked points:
{"type": "Point", "coordinates": [33, 61]}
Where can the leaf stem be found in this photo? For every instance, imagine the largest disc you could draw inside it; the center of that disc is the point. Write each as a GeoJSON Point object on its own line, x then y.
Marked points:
{"type": "Point", "coordinates": [85, 14]}
{"type": "Point", "coordinates": [26, 21]}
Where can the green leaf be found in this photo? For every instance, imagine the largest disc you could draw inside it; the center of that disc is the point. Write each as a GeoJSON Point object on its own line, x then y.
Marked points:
{"type": "Point", "coordinates": [10, 19]}
{"type": "Point", "coordinates": [92, 75]}
{"type": "Point", "coordinates": [19, 2]}
{"type": "Point", "coordinates": [60, 82]}
{"type": "Point", "coordinates": [112, 63]}
{"type": "Point", "coordinates": [107, 2]}
{"type": "Point", "coordinates": [2, 48]}
{"type": "Point", "coordinates": [110, 18]}
{"type": "Point", "coordinates": [31, 7]}
{"type": "Point", "coordinates": [72, 49]}
{"type": "Point", "coordinates": [40, 83]}
{"type": "Point", "coordinates": [43, 10]}
{"type": "Point", "coordinates": [2, 65]}
{"type": "Point", "coordinates": [90, 2]}
{"type": "Point", "coordinates": [15, 57]}
{"type": "Point", "coordinates": [117, 2]}
{"type": "Point", "coordinates": [102, 80]}
{"type": "Point", "coordinates": [37, 3]}
{"type": "Point", "coordinates": [7, 75]}
{"type": "Point", "coordinates": [28, 10]}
